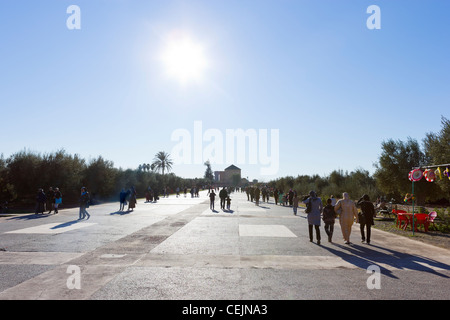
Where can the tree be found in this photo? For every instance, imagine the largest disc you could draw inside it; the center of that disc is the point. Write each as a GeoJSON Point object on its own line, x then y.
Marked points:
{"type": "Point", "coordinates": [100, 177]}
{"type": "Point", "coordinates": [162, 162]}
{"type": "Point", "coordinates": [437, 151]}
{"type": "Point", "coordinates": [209, 176]}
{"type": "Point", "coordinates": [396, 161]}
{"type": "Point", "coordinates": [23, 172]}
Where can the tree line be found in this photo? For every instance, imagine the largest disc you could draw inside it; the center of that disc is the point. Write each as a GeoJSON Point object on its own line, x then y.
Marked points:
{"type": "Point", "coordinates": [23, 173]}
{"type": "Point", "coordinates": [390, 179]}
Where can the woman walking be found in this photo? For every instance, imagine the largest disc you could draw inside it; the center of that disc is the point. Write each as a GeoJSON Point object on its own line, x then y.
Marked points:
{"type": "Point", "coordinates": [314, 215]}
{"type": "Point", "coordinates": [132, 201]}
{"type": "Point", "coordinates": [40, 201]}
{"type": "Point", "coordinates": [347, 212]}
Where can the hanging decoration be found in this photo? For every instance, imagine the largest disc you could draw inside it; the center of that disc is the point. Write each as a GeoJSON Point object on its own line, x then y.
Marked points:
{"type": "Point", "coordinates": [415, 175]}
{"type": "Point", "coordinates": [438, 173]}
{"type": "Point", "coordinates": [429, 175]}
{"type": "Point", "coordinates": [409, 198]}
{"type": "Point", "coordinates": [447, 173]}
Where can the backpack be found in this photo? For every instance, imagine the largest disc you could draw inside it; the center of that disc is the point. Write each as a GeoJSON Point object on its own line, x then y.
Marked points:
{"type": "Point", "coordinates": [309, 206]}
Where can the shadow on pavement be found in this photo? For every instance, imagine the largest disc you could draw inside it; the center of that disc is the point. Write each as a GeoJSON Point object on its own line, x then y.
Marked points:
{"type": "Point", "coordinates": [121, 213]}
{"type": "Point", "coordinates": [31, 216]}
{"type": "Point", "coordinates": [364, 256]}
{"type": "Point", "coordinates": [65, 224]}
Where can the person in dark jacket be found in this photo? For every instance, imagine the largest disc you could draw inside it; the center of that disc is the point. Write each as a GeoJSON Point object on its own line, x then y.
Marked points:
{"type": "Point", "coordinates": [257, 194]}
{"type": "Point", "coordinates": [84, 203]}
{"type": "Point", "coordinates": [223, 195]}
{"type": "Point", "coordinates": [329, 217]}
{"type": "Point", "coordinates": [122, 199]}
{"type": "Point", "coordinates": [275, 195]}
{"type": "Point", "coordinates": [366, 217]}
{"type": "Point", "coordinates": [212, 198]}
{"type": "Point", "coordinates": [50, 200]}
{"type": "Point", "coordinates": [40, 201]}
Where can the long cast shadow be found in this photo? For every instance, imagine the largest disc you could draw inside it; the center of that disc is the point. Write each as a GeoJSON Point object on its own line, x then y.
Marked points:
{"type": "Point", "coordinates": [30, 216]}
{"type": "Point", "coordinates": [364, 256]}
{"type": "Point", "coordinates": [121, 213]}
{"type": "Point", "coordinates": [65, 224]}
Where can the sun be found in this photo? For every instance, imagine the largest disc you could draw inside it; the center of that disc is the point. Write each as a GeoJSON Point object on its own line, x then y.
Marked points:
{"type": "Point", "coordinates": [184, 59]}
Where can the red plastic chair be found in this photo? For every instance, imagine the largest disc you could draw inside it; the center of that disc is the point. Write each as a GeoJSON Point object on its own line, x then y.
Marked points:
{"type": "Point", "coordinates": [421, 219]}
{"type": "Point", "coordinates": [402, 219]}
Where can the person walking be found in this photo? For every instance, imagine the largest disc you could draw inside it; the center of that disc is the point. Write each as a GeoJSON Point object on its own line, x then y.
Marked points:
{"type": "Point", "coordinates": [228, 203]}
{"type": "Point", "coordinates": [50, 205]}
{"type": "Point", "coordinates": [257, 193]}
{"type": "Point", "coordinates": [314, 215]}
{"type": "Point", "coordinates": [223, 195]}
{"type": "Point", "coordinates": [40, 201]}
{"type": "Point", "coordinates": [329, 217]}
{"type": "Point", "coordinates": [132, 201]}
{"type": "Point", "coordinates": [84, 203]}
{"type": "Point", "coordinates": [58, 199]}
{"type": "Point", "coordinates": [365, 217]}
{"type": "Point", "coordinates": [295, 204]}
{"type": "Point", "coordinates": [291, 197]}
{"type": "Point", "coordinates": [346, 209]}
{"type": "Point", "coordinates": [122, 199]}
{"type": "Point", "coordinates": [212, 198]}
{"type": "Point", "coordinates": [275, 195]}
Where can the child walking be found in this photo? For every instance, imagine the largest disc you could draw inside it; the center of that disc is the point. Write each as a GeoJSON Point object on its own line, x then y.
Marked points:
{"type": "Point", "coordinates": [295, 204]}
{"type": "Point", "coordinates": [228, 203]}
{"type": "Point", "coordinates": [328, 217]}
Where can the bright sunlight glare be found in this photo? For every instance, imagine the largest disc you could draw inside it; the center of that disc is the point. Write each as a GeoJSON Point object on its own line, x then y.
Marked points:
{"type": "Point", "coordinates": [184, 59]}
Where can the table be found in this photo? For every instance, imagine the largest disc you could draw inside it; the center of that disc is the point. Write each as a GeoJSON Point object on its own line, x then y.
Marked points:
{"type": "Point", "coordinates": [419, 219]}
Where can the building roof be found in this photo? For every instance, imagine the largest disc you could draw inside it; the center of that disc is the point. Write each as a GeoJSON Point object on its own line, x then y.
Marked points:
{"type": "Point", "coordinates": [232, 167]}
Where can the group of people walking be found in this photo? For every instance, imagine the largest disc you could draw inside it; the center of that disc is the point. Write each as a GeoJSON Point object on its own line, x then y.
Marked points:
{"type": "Point", "coordinates": [224, 196]}
{"type": "Point", "coordinates": [255, 192]}
{"type": "Point", "coordinates": [130, 197]}
{"type": "Point", "coordinates": [347, 211]}
{"type": "Point", "coordinates": [49, 201]}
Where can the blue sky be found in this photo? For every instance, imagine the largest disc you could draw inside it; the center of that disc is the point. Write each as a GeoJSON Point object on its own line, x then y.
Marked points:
{"type": "Point", "coordinates": [312, 70]}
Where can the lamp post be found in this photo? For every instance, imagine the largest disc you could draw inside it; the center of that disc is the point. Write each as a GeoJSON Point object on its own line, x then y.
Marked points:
{"type": "Point", "coordinates": [412, 207]}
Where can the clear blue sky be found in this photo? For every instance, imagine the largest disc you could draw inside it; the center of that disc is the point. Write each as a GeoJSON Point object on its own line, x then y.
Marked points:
{"type": "Point", "coordinates": [311, 69]}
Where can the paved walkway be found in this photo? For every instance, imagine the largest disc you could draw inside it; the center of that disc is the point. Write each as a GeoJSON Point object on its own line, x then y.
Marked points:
{"type": "Point", "coordinates": [179, 249]}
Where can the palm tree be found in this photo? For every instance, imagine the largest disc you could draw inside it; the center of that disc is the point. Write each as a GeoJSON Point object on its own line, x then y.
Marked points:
{"type": "Point", "coordinates": [162, 162]}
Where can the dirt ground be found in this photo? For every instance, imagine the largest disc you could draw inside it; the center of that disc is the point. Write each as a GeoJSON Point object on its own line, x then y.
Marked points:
{"type": "Point", "coordinates": [431, 237]}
